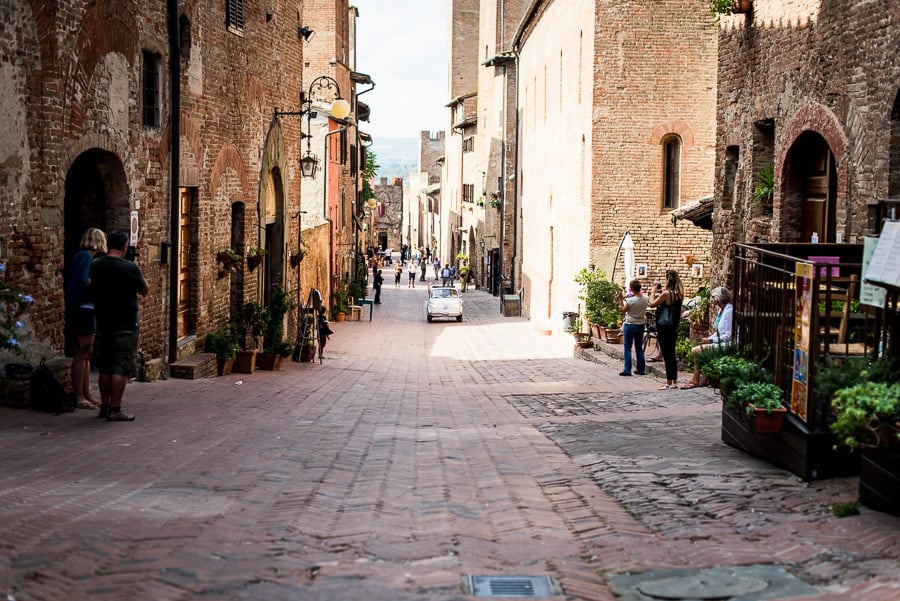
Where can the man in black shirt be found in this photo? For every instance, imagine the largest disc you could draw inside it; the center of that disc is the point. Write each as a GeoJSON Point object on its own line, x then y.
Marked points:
{"type": "Point", "coordinates": [114, 285]}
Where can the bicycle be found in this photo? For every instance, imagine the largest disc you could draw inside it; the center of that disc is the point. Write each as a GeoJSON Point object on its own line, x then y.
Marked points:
{"type": "Point", "coordinates": [650, 334]}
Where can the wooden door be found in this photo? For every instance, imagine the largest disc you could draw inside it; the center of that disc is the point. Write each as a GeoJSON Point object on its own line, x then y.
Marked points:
{"type": "Point", "coordinates": [818, 197]}
{"type": "Point", "coordinates": [184, 262]}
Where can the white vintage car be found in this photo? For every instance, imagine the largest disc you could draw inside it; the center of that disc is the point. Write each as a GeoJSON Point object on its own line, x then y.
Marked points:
{"type": "Point", "coordinates": [444, 301]}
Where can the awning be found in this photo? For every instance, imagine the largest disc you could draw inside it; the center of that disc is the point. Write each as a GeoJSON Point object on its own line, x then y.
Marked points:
{"type": "Point", "coordinates": [698, 212]}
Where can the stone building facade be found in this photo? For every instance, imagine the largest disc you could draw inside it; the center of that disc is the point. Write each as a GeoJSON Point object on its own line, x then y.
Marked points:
{"type": "Point", "coordinates": [424, 192]}
{"type": "Point", "coordinates": [614, 103]}
{"type": "Point", "coordinates": [87, 92]}
{"type": "Point", "coordinates": [812, 91]}
{"type": "Point", "coordinates": [387, 216]}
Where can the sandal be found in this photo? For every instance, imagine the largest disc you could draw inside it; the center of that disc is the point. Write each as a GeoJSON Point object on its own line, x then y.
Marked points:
{"type": "Point", "coordinates": [690, 385]}
{"type": "Point", "coordinates": [86, 404]}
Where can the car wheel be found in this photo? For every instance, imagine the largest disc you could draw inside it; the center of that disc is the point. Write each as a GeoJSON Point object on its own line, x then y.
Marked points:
{"type": "Point", "coordinates": [459, 318]}
{"type": "Point", "coordinates": [429, 318]}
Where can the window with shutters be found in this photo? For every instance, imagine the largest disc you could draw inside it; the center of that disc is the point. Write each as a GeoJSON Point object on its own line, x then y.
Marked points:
{"type": "Point", "coordinates": [150, 85]}
{"type": "Point", "coordinates": [671, 171]}
{"type": "Point", "coordinates": [234, 15]}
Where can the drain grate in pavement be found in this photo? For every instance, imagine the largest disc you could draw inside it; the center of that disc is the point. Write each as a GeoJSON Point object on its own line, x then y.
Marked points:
{"type": "Point", "coordinates": [747, 583]}
{"type": "Point", "coordinates": [511, 586]}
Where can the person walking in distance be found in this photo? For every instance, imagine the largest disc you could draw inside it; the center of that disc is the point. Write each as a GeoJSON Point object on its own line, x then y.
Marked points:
{"type": "Point", "coordinates": [398, 271]}
{"type": "Point", "coordinates": [437, 268]}
{"type": "Point", "coordinates": [377, 282]}
{"type": "Point", "coordinates": [667, 302]}
{"type": "Point", "coordinates": [115, 285]}
{"type": "Point", "coordinates": [423, 263]}
{"type": "Point", "coordinates": [411, 270]}
{"type": "Point", "coordinates": [80, 313]}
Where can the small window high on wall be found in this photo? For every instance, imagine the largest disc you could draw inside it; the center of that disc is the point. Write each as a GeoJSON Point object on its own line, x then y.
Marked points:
{"type": "Point", "coordinates": [671, 171]}
{"type": "Point", "coordinates": [150, 84]}
{"type": "Point", "coordinates": [234, 15]}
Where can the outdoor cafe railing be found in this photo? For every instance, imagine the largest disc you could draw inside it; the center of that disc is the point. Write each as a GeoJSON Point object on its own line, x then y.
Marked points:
{"type": "Point", "coordinates": [766, 307]}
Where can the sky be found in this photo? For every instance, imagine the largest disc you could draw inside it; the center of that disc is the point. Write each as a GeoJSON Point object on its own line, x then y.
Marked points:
{"type": "Point", "coordinates": [402, 46]}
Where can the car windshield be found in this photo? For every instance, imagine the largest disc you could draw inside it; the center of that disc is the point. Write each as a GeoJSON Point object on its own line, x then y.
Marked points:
{"type": "Point", "coordinates": [444, 293]}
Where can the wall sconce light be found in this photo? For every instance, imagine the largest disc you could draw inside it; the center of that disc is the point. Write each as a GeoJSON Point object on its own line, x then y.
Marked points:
{"type": "Point", "coordinates": [371, 203]}
{"type": "Point", "coordinates": [306, 33]}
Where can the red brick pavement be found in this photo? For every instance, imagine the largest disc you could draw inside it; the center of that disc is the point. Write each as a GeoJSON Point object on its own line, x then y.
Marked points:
{"type": "Point", "coordinates": [416, 454]}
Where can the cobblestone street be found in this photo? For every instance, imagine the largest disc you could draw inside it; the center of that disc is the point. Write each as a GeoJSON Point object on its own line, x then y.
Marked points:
{"type": "Point", "coordinates": [416, 454]}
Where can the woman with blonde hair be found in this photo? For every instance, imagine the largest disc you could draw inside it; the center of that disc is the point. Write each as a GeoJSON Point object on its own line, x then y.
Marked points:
{"type": "Point", "coordinates": [80, 311]}
{"type": "Point", "coordinates": [667, 302]}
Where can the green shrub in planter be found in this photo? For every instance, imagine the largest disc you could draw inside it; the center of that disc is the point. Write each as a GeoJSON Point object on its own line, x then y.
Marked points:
{"type": "Point", "coordinates": [709, 359]}
{"type": "Point", "coordinates": [759, 395]}
{"type": "Point", "coordinates": [222, 342]}
{"type": "Point", "coordinates": [862, 409]}
{"type": "Point", "coordinates": [600, 296]}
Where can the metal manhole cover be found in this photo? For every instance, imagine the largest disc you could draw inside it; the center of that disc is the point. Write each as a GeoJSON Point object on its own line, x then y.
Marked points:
{"type": "Point", "coordinates": [703, 586]}
{"type": "Point", "coordinates": [722, 583]}
{"type": "Point", "coordinates": [511, 586]}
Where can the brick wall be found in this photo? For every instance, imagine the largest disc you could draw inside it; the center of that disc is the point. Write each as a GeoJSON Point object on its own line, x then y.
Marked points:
{"type": "Point", "coordinates": [794, 69]}
{"type": "Point", "coordinates": [76, 70]}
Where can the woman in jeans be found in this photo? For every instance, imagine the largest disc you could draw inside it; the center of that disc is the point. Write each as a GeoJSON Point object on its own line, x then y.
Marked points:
{"type": "Point", "coordinates": [668, 301]}
{"type": "Point", "coordinates": [634, 306]}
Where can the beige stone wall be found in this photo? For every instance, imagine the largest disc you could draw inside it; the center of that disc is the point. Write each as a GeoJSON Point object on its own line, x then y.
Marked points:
{"type": "Point", "coordinates": [555, 135]}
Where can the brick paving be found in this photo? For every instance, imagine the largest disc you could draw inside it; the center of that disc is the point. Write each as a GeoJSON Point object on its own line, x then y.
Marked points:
{"type": "Point", "coordinates": [417, 453]}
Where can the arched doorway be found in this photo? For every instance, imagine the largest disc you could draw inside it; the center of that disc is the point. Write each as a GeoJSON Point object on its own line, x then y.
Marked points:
{"type": "Point", "coordinates": [96, 195]}
{"type": "Point", "coordinates": [809, 191]}
{"type": "Point", "coordinates": [274, 257]}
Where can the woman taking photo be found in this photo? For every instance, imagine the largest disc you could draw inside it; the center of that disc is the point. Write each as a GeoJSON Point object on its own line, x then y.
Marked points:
{"type": "Point", "coordinates": [667, 302]}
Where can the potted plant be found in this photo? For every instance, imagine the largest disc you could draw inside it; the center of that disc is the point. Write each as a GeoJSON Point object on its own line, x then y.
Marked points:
{"type": "Point", "coordinates": [223, 343]}
{"type": "Point", "coordinates": [248, 324]}
{"type": "Point", "coordinates": [762, 402]}
{"type": "Point", "coordinates": [280, 303]}
{"type": "Point", "coordinates": [340, 302]}
{"type": "Point", "coordinates": [764, 186]}
{"type": "Point", "coordinates": [228, 260]}
{"type": "Point", "coordinates": [729, 7]}
{"type": "Point", "coordinates": [601, 299]}
{"type": "Point", "coordinates": [710, 362]}
{"type": "Point", "coordinates": [254, 257]}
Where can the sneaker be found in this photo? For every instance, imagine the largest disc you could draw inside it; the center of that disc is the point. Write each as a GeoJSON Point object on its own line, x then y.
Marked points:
{"type": "Point", "coordinates": [120, 416]}
{"type": "Point", "coordinates": [625, 373]}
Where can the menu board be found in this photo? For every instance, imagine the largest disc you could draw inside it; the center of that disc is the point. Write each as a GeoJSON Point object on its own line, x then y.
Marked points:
{"type": "Point", "coordinates": [884, 268]}
{"type": "Point", "coordinates": [870, 294]}
{"type": "Point", "coordinates": [802, 321]}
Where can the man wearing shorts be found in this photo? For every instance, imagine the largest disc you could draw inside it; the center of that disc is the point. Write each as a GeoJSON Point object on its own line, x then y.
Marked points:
{"type": "Point", "coordinates": [115, 284]}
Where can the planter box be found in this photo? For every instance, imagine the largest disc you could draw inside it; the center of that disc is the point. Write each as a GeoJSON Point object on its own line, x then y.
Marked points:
{"type": "Point", "coordinates": [268, 361]}
{"type": "Point", "coordinates": [879, 473]}
{"type": "Point", "coordinates": [245, 362]}
{"type": "Point", "coordinates": [224, 366]}
{"type": "Point", "coordinates": [807, 453]}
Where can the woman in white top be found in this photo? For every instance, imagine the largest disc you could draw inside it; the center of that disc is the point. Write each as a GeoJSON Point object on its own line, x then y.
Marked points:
{"type": "Point", "coordinates": [721, 333]}
{"type": "Point", "coordinates": [634, 306]}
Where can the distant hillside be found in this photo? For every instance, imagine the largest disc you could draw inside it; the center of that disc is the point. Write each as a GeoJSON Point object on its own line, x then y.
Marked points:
{"type": "Point", "coordinates": [396, 156]}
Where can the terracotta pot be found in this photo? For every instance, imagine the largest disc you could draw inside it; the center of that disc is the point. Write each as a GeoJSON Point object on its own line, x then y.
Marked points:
{"type": "Point", "coordinates": [765, 422]}
{"type": "Point", "coordinates": [595, 330]}
{"type": "Point", "coordinates": [340, 316]}
{"type": "Point", "coordinates": [268, 361]}
{"type": "Point", "coordinates": [224, 366]}
{"type": "Point", "coordinates": [245, 362]}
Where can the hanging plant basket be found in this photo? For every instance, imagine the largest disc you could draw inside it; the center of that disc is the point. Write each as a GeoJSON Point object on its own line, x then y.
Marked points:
{"type": "Point", "coordinates": [254, 262]}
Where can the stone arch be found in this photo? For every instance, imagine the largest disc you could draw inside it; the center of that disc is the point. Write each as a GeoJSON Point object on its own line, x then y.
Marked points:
{"type": "Point", "coordinates": [669, 128]}
{"type": "Point", "coordinates": [96, 195]}
{"type": "Point", "coordinates": [228, 157]}
{"type": "Point", "coordinates": [106, 27]}
{"type": "Point", "coordinates": [813, 151]}
{"type": "Point", "coordinates": [273, 205]}
{"type": "Point", "coordinates": [893, 184]}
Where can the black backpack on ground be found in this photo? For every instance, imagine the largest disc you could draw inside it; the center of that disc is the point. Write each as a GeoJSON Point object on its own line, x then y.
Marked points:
{"type": "Point", "coordinates": [47, 394]}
